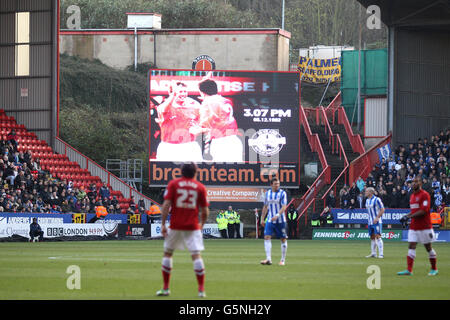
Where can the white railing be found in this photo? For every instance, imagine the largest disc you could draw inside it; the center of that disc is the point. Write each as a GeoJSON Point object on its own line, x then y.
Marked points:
{"type": "Point", "coordinates": [95, 169]}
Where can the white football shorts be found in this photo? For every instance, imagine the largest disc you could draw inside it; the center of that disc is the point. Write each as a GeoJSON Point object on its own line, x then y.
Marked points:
{"type": "Point", "coordinates": [421, 236]}
{"type": "Point", "coordinates": [191, 240]}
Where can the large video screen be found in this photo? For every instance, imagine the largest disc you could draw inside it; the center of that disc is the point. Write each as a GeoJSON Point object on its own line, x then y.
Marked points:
{"type": "Point", "coordinates": [240, 127]}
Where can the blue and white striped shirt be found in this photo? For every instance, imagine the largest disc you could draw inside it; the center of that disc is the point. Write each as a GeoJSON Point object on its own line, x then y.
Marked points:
{"type": "Point", "coordinates": [373, 206]}
{"type": "Point", "coordinates": [274, 201]}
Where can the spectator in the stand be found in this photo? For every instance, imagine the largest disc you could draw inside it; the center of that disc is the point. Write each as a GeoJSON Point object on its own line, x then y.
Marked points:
{"type": "Point", "coordinates": [352, 204]}
{"type": "Point", "coordinates": [404, 199]}
{"type": "Point", "coordinates": [389, 184]}
{"type": "Point", "coordinates": [330, 200]}
{"type": "Point", "coordinates": [370, 181]}
{"type": "Point", "coordinates": [345, 199]}
{"type": "Point", "coordinates": [114, 201]}
{"type": "Point", "coordinates": [71, 197]}
{"type": "Point", "coordinates": [110, 208]}
{"type": "Point", "coordinates": [141, 204]}
{"type": "Point", "coordinates": [360, 201]}
{"type": "Point", "coordinates": [437, 201]}
{"type": "Point", "coordinates": [446, 190]}
{"type": "Point", "coordinates": [92, 205]}
{"type": "Point", "coordinates": [435, 184]}
{"type": "Point", "coordinates": [84, 208]}
{"type": "Point", "coordinates": [72, 205]}
{"type": "Point", "coordinates": [78, 205]}
{"type": "Point", "coordinates": [391, 164]}
{"type": "Point", "coordinates": [133, 207]}
{"type": "Point", "coordinates": [117, 209]}
{"type": "Point", "coordinates": [40, 203]}
{"type": "Point", "coordinates": [353, 192]}
{"type": "Point", "coordinates": [383, 172]}
{"type": "Point", "coordinates": [385, 198]}
{"type": "Point", "coordinates": [426, 185]}
{"type": "Point", "coordinates": [392, 198]}
{"type": "Point", "coordinates": [360, 184]}
{"type": "Point", "coordinates": [402, 172]}
{"type": "Point", "coordinates": [15, 159]}
{"type": "Point", "coordinates": [27, 158]}
{"type": "Point", "coordinates": [81, 194]}
{"type": "Point", "coordinates": [106, 202]}
{"type": "Point", "coordinates": [380, 186]}
{"type": "Point", "coordinates": [65, 206]}
{"type": "Point", "coordinates": [104, 192]}
{"type": "Point", "coordinates": [10, 174]}
{"type": "Point", "coordinates": [12, 138]}
{"type": "Point", "coordinates": [92, 194]}
{"type": "Point", "coordinates": [132, 202]}
{"type": "Point", "coordinates": [129, 210]}
{"type": "Point", "coordinates": [54, 199]}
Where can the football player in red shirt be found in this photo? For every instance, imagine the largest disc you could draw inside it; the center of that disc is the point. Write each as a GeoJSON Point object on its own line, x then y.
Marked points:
{"type": "Point", "coordinates": [221, 126]}
{"type": "Point", "coordinates": [186, 196]}
{"type": "Point", "coordinates": [420, 229]}
{"type": "Point", "coordinates": [176, 116]}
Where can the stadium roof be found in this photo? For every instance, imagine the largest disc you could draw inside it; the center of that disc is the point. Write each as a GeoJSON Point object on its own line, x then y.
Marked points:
{"type": "Point", "coordinates": [423, 14]}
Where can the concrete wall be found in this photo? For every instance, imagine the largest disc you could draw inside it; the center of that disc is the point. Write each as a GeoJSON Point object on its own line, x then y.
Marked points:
{"type": "Point", "coordinates": [244, 49]}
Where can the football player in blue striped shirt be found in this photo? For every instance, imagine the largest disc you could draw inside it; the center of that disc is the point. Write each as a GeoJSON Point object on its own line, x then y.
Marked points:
{"type": "Point", "coordinates": [275, 202]}
{"type": "Point", "coordinates": [375, 210]}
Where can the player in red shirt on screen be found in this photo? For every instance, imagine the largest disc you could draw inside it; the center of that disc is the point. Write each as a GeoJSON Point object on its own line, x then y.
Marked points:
{"type": "Point", "coordinates": [176, 115]}
{"type": "Point", "coordinates": [420, 228]}
{"type": "Point", "coordinates": [217, 118]}
{"type": "Point", "coordinates": [186, 196]}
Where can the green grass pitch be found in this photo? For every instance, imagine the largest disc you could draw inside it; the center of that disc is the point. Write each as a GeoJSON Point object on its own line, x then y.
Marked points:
{"type": "Point", "coordinates": [132, 270]}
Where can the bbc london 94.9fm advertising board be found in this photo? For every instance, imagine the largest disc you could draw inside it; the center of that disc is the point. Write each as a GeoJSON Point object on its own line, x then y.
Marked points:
{"type": "Point", "coordinates": [240, 127]}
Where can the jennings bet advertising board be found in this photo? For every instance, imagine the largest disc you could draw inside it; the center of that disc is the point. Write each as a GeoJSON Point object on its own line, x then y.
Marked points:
{"type": "Point", "coordinates": [240, 127]}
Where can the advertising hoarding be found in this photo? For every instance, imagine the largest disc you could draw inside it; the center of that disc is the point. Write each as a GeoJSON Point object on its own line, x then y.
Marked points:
{"type": "Point", "coordinates": [353, 234]}
{"type": "Point", "coordinates": [390, 216]}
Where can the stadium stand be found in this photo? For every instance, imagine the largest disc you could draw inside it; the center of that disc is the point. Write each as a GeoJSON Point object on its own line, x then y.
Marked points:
{"type": "Point", "coordinates": [35, 179]}
{"type": "Point", "coordinates": [391, 178]}
{"type": "Point", "coordinates": [427, 158]}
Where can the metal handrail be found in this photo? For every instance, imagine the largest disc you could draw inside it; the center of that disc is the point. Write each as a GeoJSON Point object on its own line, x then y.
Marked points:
{"type": "Point", "coordinates": [112, 180]}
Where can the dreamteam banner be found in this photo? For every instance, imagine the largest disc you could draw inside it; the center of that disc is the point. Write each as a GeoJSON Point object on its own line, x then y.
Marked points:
{"type": "Point", "coordinates": [319, 70]}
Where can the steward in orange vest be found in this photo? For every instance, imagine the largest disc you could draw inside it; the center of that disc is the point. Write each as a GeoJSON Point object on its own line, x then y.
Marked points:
{"type": "Point", "coordinates": [435, 218]}
{"type": "Point", "coordinates": [154, 209]}
{"type": "Point", "coordinates": [152, 212]}
{"type": "Point", "coordinates": [100, 211]}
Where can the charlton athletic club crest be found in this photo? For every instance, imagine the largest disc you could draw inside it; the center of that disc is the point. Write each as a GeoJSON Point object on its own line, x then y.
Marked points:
{"type": "Point", "coordinates": [204, 62]}
{"type": "Point", "coordinates": [267, 142]}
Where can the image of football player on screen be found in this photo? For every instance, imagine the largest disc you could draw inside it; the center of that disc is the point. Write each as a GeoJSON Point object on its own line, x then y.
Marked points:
{"type": "Point", "coordinates": [220, 126]}
{"type": "Point", "coordinates": [177, 114]}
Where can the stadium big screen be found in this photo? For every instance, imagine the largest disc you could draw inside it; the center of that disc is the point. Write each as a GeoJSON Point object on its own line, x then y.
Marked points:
{"type": "Point", "coordinates": [240, 127]}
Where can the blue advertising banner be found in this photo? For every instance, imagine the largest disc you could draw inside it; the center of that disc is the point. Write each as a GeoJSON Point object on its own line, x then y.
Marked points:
{"type": "Point", "coordinates": [390, 216]}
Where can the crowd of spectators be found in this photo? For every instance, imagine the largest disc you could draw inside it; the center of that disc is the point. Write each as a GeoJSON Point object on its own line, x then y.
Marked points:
{"type": "Point", "coordinates": [392, 178]}
{"type": "Point", "coordinates": [25, 187]}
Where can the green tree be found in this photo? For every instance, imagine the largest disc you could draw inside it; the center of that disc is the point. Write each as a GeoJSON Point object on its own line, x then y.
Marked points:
{"type": "Point", "coordinates": [111, 14]}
